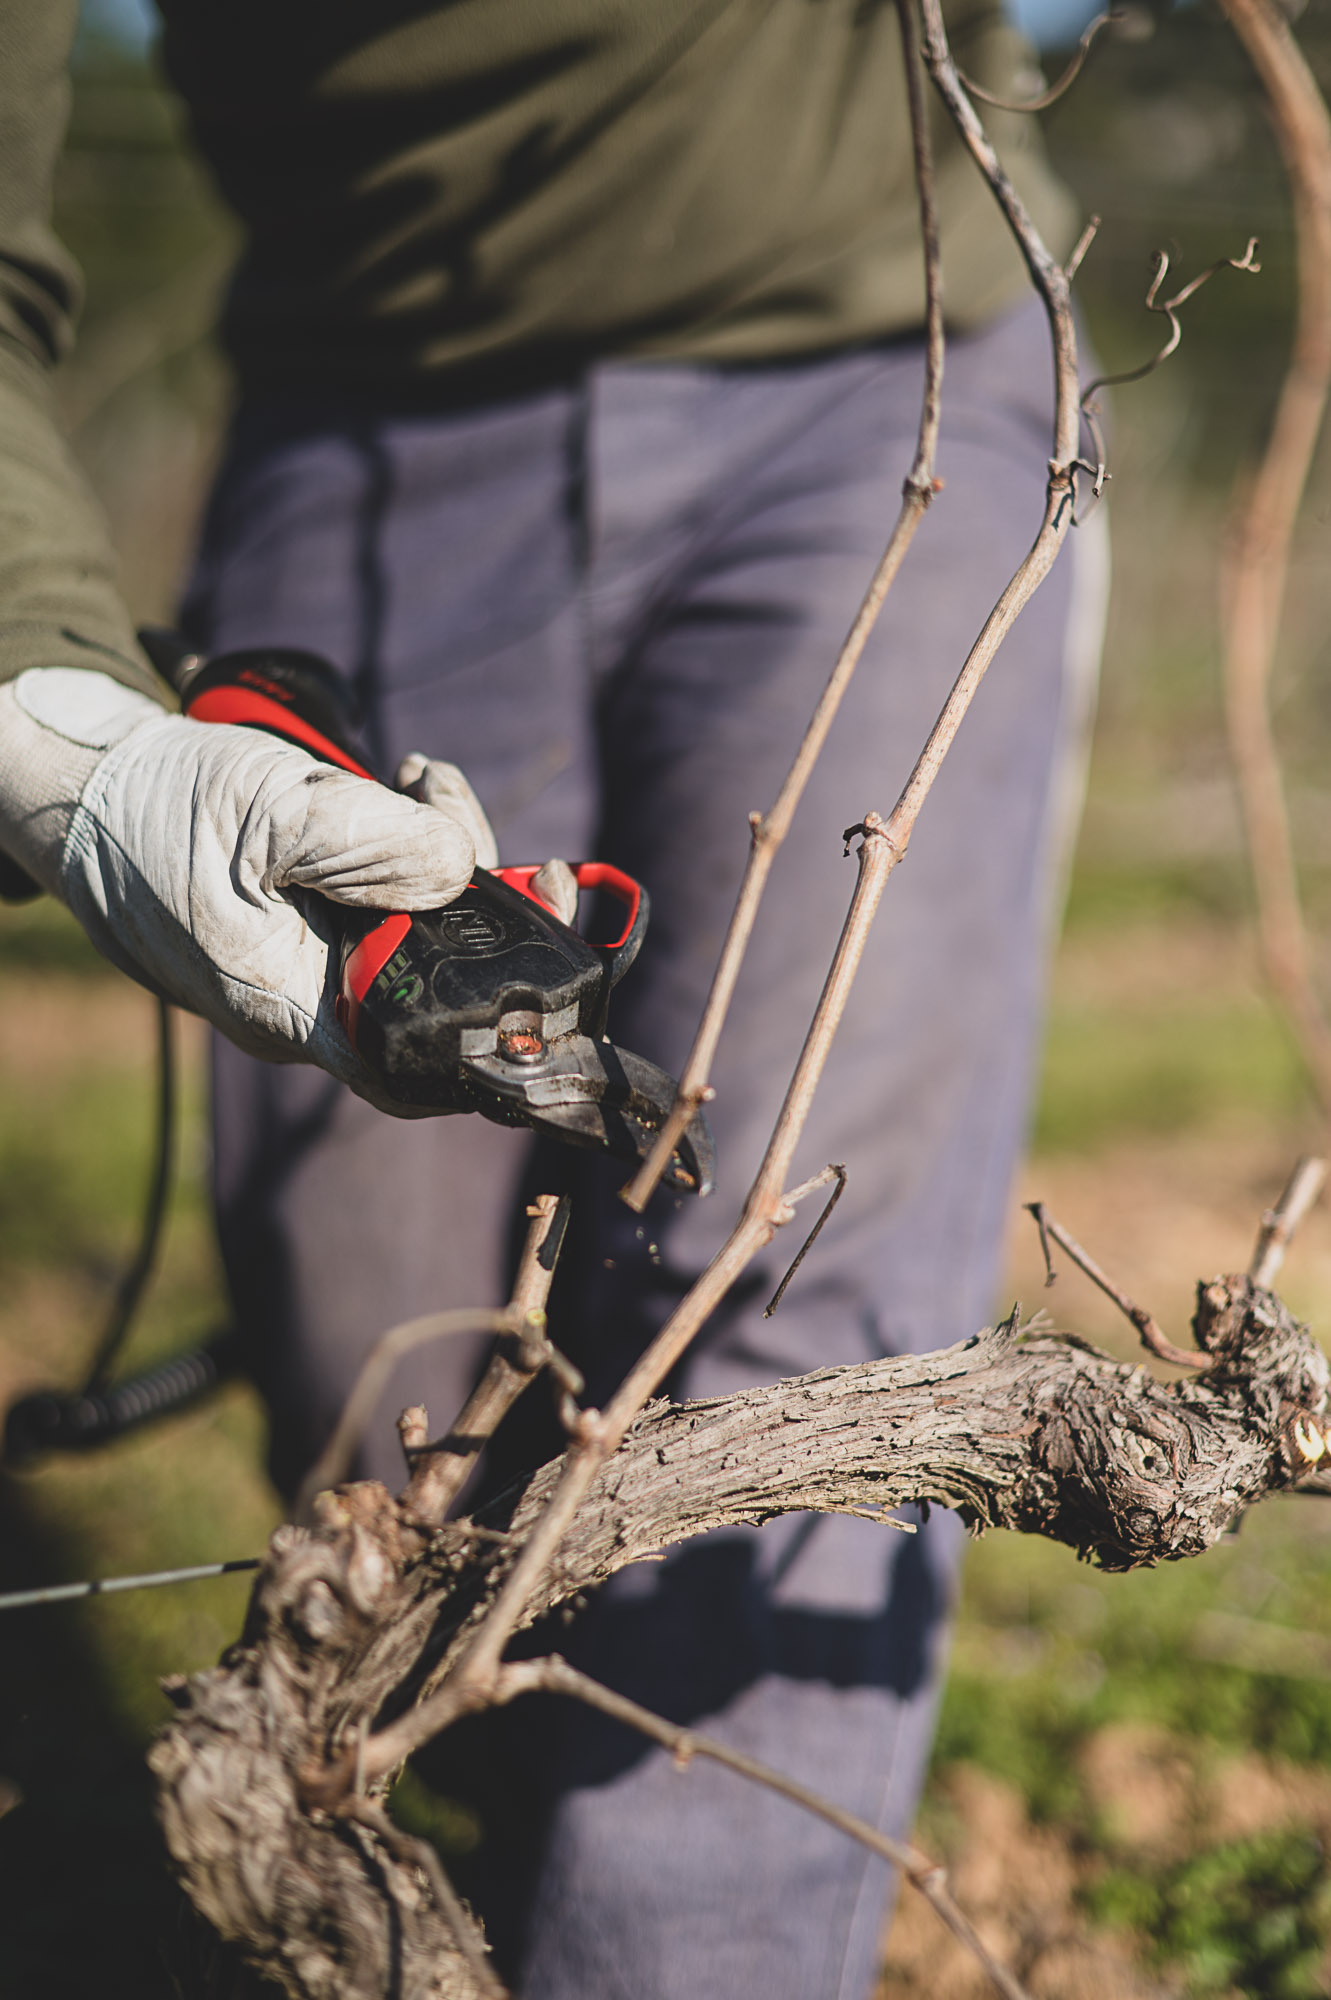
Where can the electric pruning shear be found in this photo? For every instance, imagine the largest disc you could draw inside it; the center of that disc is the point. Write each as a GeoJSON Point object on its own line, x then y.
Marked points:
{"type": "Point", "coordinates": [490, 1004]}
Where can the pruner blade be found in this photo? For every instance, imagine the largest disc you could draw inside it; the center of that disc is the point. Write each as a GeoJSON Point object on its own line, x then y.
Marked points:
{"type": "Point", "coordinates": [586, 1091]}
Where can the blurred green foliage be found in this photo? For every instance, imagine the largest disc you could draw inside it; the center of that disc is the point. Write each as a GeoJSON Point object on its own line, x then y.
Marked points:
{"type": "Point", "coordinates": [1051, 1650]}
{"type": "Point", "coordinates": [1110, 1073]}
{"type": "Point", "coordinates": [1050, 1653]}
{"type": "Point", "coordinates": [1251, 1916]}
{"type": "Point", "coordinates": [131, 203]}
{"type": "Point", "coordinates": [1114, 894]}
{"type": "Point", "coordinates": [39, 937]}
{"type": "Point", "coordinates": [1166, 139]}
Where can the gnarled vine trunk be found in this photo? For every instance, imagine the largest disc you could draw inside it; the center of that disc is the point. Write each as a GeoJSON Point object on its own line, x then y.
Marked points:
{"type": "Point", "coordinates": [361, 1615]}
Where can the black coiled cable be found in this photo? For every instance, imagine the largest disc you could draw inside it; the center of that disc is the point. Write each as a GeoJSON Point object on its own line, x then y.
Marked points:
{"type": "Point", "coordinates": [48, 1420]}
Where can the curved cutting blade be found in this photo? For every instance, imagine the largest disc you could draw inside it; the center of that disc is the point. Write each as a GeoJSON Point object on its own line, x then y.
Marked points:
{"type": "Point", "coordinates": [589, 1093]}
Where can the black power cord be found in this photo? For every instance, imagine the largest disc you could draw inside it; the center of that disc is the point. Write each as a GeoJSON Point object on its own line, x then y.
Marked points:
{"type": "Point", "coordinates": [60, 1421]}
{"type": "Point", "coordinates": [50, 1420]}
{"type": "Point", "coordinates": [47, 1420]}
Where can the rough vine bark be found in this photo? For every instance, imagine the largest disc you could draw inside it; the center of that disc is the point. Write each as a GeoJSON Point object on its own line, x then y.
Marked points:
{"type": "Point", "coordinates": [354, 1619]}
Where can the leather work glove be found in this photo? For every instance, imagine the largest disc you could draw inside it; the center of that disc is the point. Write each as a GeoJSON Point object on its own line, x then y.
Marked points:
{"type": "Point", "coordinates": [188, 851]}
{"type": "Point", "coordinates": [443, 786]}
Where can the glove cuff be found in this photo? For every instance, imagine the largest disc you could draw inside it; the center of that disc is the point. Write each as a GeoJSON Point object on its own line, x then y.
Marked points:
{"type": "Point", "coordinates": [56, 725]}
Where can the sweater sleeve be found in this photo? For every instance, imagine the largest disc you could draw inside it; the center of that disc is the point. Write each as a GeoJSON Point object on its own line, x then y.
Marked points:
{"type": "Point", "coordinates": [59, 605]}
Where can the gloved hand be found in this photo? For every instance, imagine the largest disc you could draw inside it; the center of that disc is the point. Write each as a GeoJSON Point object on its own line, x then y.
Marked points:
{"type": "Point", "coordinates": [443, 786]}
{"type": "Point", "coordinates": [185, 849]}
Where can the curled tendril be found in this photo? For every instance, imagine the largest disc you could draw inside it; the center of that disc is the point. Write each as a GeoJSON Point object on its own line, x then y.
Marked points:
{"type": "Point", "coordinates": [1111, 18]}
{"type": "Point", "coordinates": [1090, 415]}
{"type": "Point", "coordinates": [1169, 307]}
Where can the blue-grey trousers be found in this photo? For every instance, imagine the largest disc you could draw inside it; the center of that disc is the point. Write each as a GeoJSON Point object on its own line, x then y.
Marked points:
{"type": "Point", "coordinates": [614, 605]}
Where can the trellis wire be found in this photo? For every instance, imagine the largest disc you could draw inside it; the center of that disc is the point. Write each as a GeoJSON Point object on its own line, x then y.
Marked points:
{"type": "Point", "coordinates": [61, 1593]}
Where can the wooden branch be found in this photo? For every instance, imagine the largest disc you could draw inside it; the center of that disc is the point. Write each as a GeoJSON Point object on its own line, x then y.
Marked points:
{"type": "Point", "coordinates": [420, 1855]}
{"type": "Point", "coordinates": [362, 1615]}
{"type": "Point", "coordinates": [441, 1470]}
{"type": "Point", "coordinates": [835, 1173]}
{"type": "Point", "coordinates": [555, 1676]}
{"type": "Point", "coordinates": [1279, 1223]}
{"type": "Point", "coordinates": [883, 846]}
{"type": "Point", "coordinates": [1048, 277]}
{"type": "Point", "coordinates": [1152, 1338]}
{"type": "Point", "coordinates": [596, 1436]}
{"type": "Point", "coordinates": [1253, 584]}
{"type": "Point", "coordinates": [884, 843]}
{"type": "Point", "coordinates": [599, 1435]}
{"type": "Point", "coordinates": [334, 1461]}
{"type": "Point", "coordinates": [768, 830]}
{"type": "Point", "coordinates": [521, 1350]}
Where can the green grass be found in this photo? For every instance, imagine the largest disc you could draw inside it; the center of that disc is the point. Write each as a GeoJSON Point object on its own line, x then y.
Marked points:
{"type": "Point", "coordinates": [76, 1152]}
{"type": "Point", "coordinates": [1094, 1649]}
{"type": "Point", "coordinates": [1108, 895]}
{"type": "Point", "coordinates": [41, 937]}
{"type": "Point", "coordinates": [1050, 1651]}
{"type": "Point", "coordinates": [74, 1167]}
{"type": "Point", "coordinates": [1111, 1072]}
{"type": "Point", "coordinates": [1249, 1916]}
{"type": "Point", "coordinates": [1158, 1063]}
{"type": "Point", "coordinates": [451, 1826]}
{"type": "Point", "coordinates": [1105, 896]}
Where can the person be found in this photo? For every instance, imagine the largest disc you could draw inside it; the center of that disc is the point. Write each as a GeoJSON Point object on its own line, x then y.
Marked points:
{"type": "Point", "coordinates": [579, 363]}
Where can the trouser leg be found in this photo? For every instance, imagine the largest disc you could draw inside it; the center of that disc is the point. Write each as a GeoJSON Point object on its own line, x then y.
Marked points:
{"type": "Point", "coordinates": [812, 1645]}
{"type": "Point", "coordinates": [437, 564]}
{"type": "Point", "coordinates": [678, 555]}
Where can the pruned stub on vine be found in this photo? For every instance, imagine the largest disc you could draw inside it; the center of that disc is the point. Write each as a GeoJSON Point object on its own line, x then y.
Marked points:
{"type": "Point", "coordinates": [1133, 1472]}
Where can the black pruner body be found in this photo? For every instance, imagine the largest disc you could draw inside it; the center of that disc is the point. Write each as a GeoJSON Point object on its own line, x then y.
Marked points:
{"type": "Point", "coordinates": [494, 1005]}
{"type": "Point", "coordinates": [491, 1004]}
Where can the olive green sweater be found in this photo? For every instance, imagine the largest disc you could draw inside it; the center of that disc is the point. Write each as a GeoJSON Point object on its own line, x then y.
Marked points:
{"type": "Point", "coordinates": [447, 199]}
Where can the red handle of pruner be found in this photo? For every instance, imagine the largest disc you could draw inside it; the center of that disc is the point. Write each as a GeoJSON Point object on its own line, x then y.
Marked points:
{"type": "Point", "coordinates": [258, 702]}
{"type": "Point", "coordinates": [629, 893]}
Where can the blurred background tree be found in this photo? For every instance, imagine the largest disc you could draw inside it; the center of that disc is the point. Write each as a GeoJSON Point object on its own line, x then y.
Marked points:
{"type": "Point", "coordinates": [1133, 1778]}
